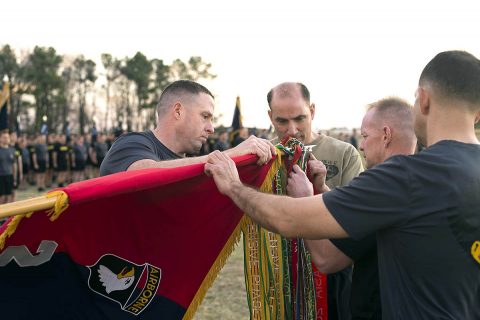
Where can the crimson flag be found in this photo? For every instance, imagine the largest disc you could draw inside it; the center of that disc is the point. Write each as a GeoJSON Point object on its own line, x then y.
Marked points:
{"type": "Point", "coordinates": [135, 245]}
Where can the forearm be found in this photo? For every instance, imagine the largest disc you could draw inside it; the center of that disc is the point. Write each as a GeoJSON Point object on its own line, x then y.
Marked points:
{"type": "Point", "coordinates": [15, 171]}
{"type": "Point", "coordinates": [54, 160]}
{"type": "Point", "coordinates": [263, 208]}
{"type": "Point", "coordinates": [34, 160]}
{"type": "Point", "coordinates": [20, 166]}
{"type": "Point", "coordinates": [291, 217]}
{"type": "Point", "coordinates": [149, 163]}
{"type": "Point", "coordinates": [326, 256]}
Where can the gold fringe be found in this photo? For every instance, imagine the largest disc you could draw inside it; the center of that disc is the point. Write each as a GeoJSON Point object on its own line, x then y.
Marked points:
{"type": "Point", "coordinates": [253, 240]}
{"type": "Point", "coordinates": [227, 249]}
{"type": "Point", "coordinates": [213, 272]}
{"type": "Point", "coordinates": [61, 204]}
{"type": "Point", "coordinates": [267, 183]}
{"type": "Point", "coordinates": [11, 227]}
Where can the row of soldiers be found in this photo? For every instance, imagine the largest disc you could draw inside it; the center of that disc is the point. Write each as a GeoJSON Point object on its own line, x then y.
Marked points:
{"type": "Point", "coordinates": [45, 160]}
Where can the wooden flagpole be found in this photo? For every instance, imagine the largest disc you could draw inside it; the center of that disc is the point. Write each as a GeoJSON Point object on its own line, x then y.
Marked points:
{"type": "Point", "coordinates": [27, 206]}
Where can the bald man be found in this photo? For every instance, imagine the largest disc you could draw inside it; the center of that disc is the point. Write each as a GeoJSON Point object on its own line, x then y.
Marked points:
{"type": "Point", "coordinates": [185, 120]}
{"type": "Point", "coordinates": [292, 113]}
{"type": "Point", "coordinates": [424, 208]}
{"type": "Point", "coordinates": [387, 130]}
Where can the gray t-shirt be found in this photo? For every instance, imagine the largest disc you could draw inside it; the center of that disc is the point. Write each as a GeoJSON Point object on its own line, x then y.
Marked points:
{"type": "Point", "coordinates": [425, 211]}
{"type": "Point", "coordinates": [101, 149]}
{"type": "Point", "coordinates": [41, 150]}
{"type": "Point", "coordinates": [133, 147]}
{"type": "Point", "coordinates": [7, 158]}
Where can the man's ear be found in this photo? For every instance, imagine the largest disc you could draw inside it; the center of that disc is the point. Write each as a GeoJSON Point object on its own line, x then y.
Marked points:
{"type": "Point", "coordinates": [387, 136]}
{"type": "Point", "coordinates": [477, 117]}
{"type": "Point", "coordinates": [424, 100]}
{"type": "Point", "coordinates": [270, 115]}
{"type": "Point", "coordinates": [312, 110]}
{"type": "Point", "coordinates": [177, 110]}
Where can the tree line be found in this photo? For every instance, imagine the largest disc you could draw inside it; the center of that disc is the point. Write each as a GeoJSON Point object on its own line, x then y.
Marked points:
{"type": "Point", "coordinates": [63, 92]}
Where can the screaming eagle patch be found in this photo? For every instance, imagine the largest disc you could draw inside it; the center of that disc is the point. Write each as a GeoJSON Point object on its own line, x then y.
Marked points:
{"type": "Point", "coordinates": [116, 279]}
{"type": "Point", "coordinates": [476, 251]}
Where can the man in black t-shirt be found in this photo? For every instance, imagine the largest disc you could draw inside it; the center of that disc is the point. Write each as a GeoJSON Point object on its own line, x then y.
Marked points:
{"type": "Point", "coordinates": [185, 114]}
{"type": "Point", "coordinates": [40, 161]}
{"type": "Point", "coordinates": [61, 158]}
{"type": "Point", "coordinates": [424, 208]}
{"type": "Point", "coordinates": [387, 130]}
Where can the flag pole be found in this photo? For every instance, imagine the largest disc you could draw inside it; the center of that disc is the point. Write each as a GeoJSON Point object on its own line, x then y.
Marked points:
{"type": "Point", "coordinates": [27, 206]}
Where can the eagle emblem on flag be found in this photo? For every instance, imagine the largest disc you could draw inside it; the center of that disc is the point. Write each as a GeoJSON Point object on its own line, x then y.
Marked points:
{"type": "Point", "coordinates": [117, 279]}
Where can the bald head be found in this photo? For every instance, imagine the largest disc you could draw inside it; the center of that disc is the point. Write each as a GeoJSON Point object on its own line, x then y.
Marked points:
{"type": "Point", "coordinates": [395, 113]}
{"type": "Point", "coordinates": [288, 90]}
{"type": "Point", "coordinates": [291, 112]}
{"type": "Point", "coordinates": [387, 130]}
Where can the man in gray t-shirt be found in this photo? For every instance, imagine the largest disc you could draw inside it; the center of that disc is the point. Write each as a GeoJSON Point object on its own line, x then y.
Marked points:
{"type": "Point", "coordinates": [8, 169]}
{"type": "Point", "coordinates": [185, 114]}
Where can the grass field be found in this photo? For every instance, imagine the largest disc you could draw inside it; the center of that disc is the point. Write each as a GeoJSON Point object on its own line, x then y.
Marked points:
{"type": "Point", "coordinates": [225, 300]}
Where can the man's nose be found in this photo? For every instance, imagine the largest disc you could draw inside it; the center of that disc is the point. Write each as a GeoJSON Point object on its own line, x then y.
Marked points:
{"type": "Point", "coordinates": [210, 129]}
{"type": "Point", "coordinates": [292, 129]}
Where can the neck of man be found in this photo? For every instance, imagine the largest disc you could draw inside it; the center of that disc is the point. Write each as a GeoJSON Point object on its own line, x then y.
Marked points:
{"type": "Point", "coordinates": [399, 149]}
{"type": "Point", "coordinates": [313, 136]}
{"type": "Point", "coordinates": [456, 125]}
{"type": "Point", "coordinates": [167, 137]}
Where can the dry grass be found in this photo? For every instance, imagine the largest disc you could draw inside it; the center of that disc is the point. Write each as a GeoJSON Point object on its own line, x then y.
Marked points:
{"type": "Point", "coordinates": [227, 299]}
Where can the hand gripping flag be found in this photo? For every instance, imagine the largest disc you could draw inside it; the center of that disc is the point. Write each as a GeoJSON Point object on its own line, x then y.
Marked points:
{"type": "Point", "coordinates": [135, 245]}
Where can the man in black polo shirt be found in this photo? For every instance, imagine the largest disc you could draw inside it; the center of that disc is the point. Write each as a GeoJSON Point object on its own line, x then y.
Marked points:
{"type": "Point", "coordinates": [184, 122]}
{"type": "Point", "coordinates": [387, 130]}
{"type": "Point", "coordinates": [424, 208]}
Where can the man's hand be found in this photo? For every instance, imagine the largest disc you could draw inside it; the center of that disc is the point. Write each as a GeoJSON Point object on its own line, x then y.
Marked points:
{"type": "Point", "coordinates": [298, 185]}
{"type": "Point", "coordinates": [264, 149]}
{"type": "Point", "coordinates": [318, 174]}
{"type": "Point", "coordinates": [223, 170]}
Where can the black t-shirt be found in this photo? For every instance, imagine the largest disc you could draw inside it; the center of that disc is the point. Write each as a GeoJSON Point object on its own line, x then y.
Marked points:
{"type": "Point", "coordinates": [425, 210]}
{"type": "Point", "coordinates": [365, 292]}
{"type": "Point", "coordinates": [41, 151]}
{"type": "Point", "coordinates": [51, 149]}
{"type": "Point", "coordinates": [133, 147]}
{"type": "Point", "coordinates": [62, 151]}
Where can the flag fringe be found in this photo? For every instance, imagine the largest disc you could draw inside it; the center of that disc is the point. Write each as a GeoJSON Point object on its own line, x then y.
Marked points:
{"type": "Point", "coordinates": [214, 270]}
{"type": "Point", "coordinates": [229, 246]}
{"type": "Point", "coordinates": [61, 204]}
{"type": "Point", "coordinates": [11, 227]}
{"type": "Point", "coordinates": [252, 240]}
